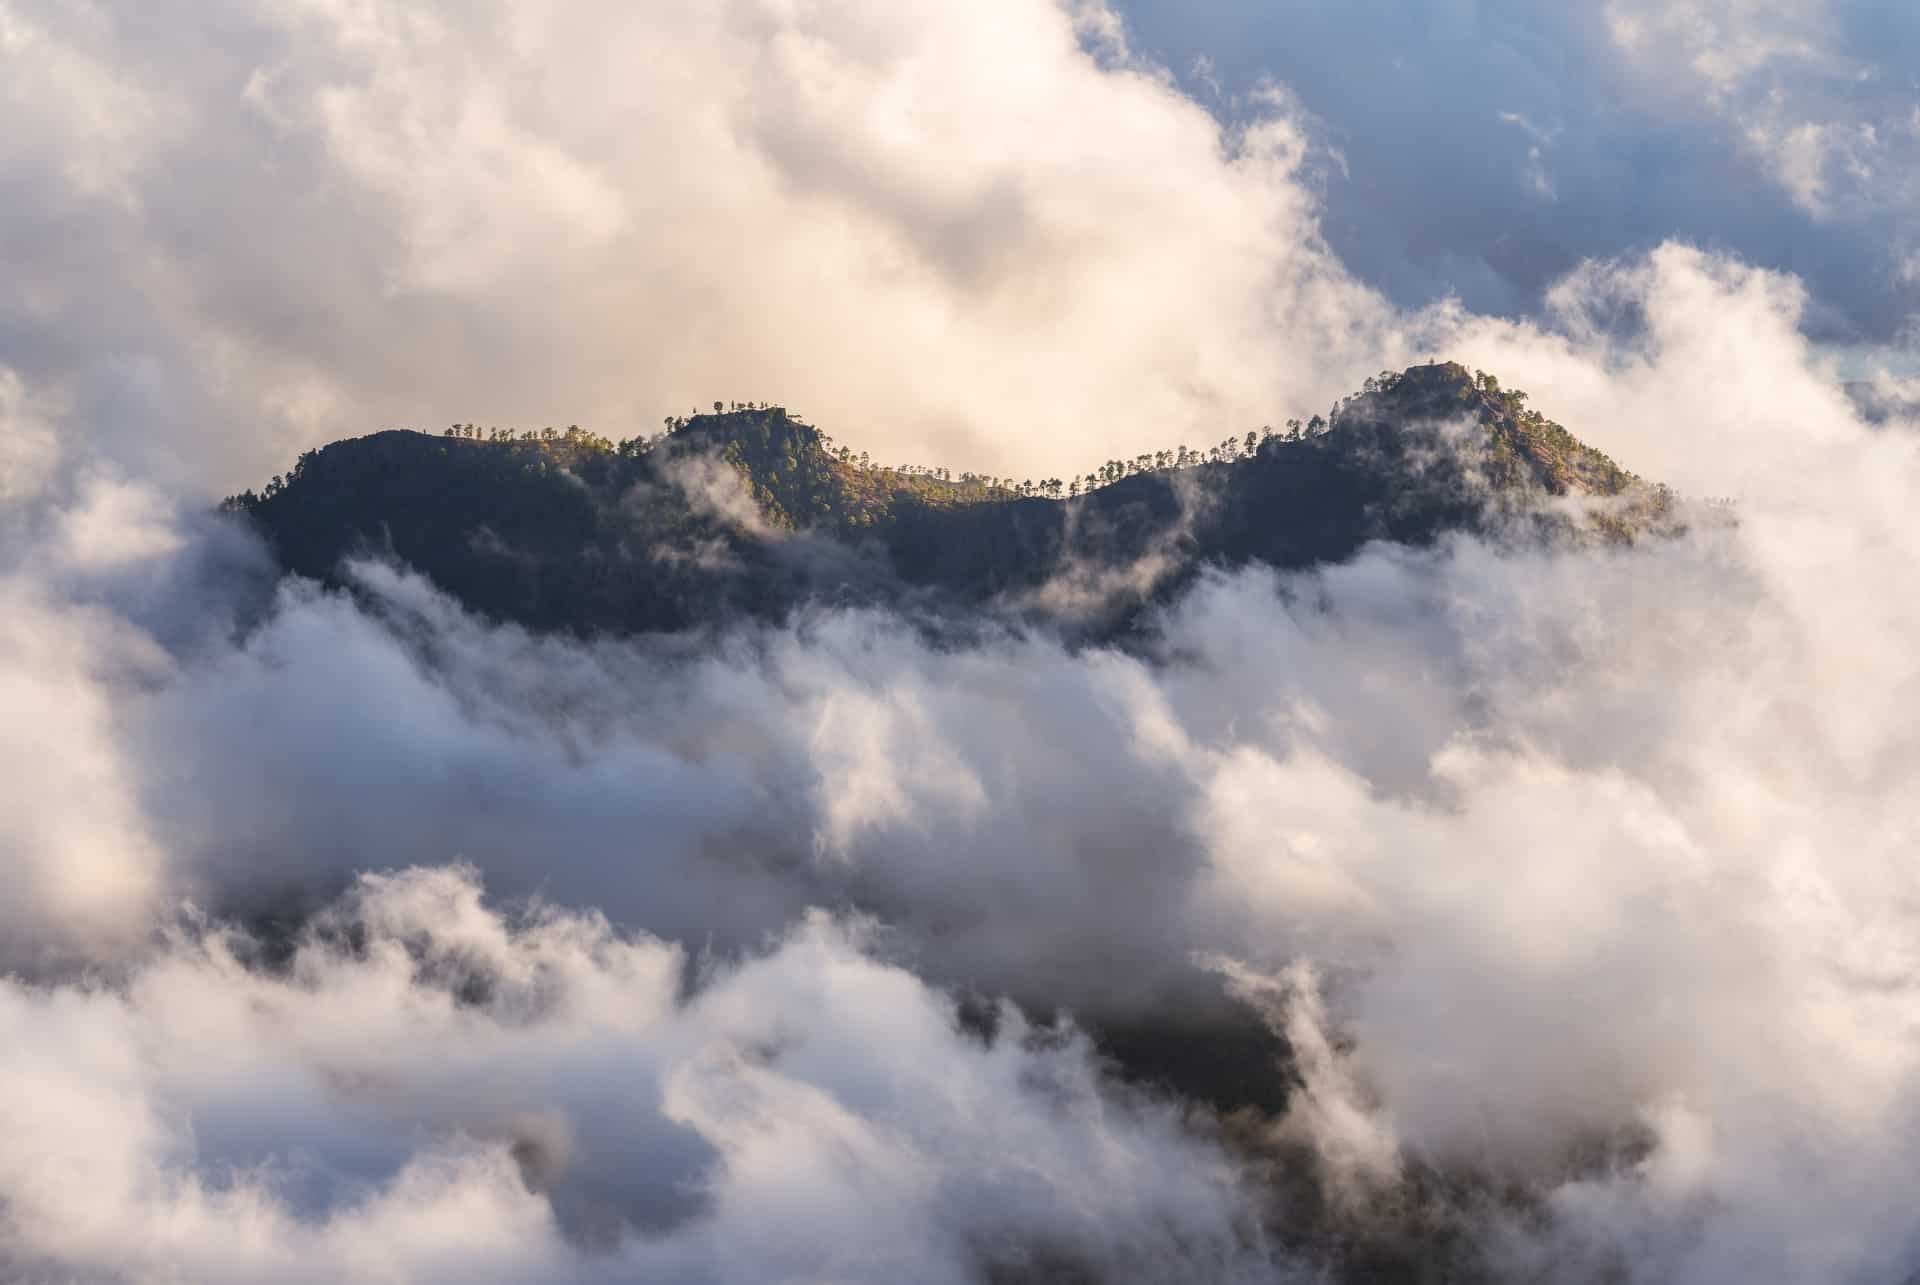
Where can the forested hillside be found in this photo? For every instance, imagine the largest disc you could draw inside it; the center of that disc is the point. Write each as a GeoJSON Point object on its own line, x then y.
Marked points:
{"type": "Point", "coordinates": [751, 510]}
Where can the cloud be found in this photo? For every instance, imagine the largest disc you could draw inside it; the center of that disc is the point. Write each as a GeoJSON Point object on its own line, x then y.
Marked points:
{"type": "Point", "coordinates": [1578, 883]}
{"type": "Point", "coordinates": [1800, 86]}
{"type": "Point", "coordinates": [1779, 131]}
{"type": "Point", "coordinates": [242, 230]}
{"type": "Point", "coordinates": [83, 869]}
{"type": "Point", "coordinates": [1585, 872]}
{"type": "Point", "coordinates": [28, 446]}
{"type": "Point", "coordinates": [428, 1089]}
{"type": "Point", "coordinates": [324, 218]}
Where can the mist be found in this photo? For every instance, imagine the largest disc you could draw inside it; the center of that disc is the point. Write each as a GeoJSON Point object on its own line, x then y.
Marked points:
{"type": "Point", "coordinates": [1491, 911]}
{"type": "Point", "coordinates": [1584, 870]}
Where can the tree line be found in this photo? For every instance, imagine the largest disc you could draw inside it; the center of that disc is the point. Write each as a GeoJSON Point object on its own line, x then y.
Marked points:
{"type": "Point", "coordinates": [1226, 451]}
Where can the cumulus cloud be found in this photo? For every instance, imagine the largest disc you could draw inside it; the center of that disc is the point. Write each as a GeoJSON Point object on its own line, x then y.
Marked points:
{"type": "Point", "coordinates": [28, 447]}
{"type": "Point", "coordinates": [429, 1090]}
{"type": "Point", "coordinates": [81, 867]}
{"type": "Point", "coordinates": [1782, 131]}
{"type": "Point", "coordinates": [1576, 885]}
{"type": "Point", "coordinates": [1576, 874]}
{"type": "Point", "coordinates": [1812, 90]}
{"type": "Point", "coordinates": [244, 229]}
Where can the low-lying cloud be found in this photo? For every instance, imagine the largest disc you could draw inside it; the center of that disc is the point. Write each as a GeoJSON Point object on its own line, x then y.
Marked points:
{"type": "Point", "coordinates": [351, 935]}
{"type": "Point", "coordinates": [427, 1090]}
{"type": "Point", "coordinates": [1581, 876]}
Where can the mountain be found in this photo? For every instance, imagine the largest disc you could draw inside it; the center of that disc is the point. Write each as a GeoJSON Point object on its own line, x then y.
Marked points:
{"type": "Point", "coordinates": [752, 511]}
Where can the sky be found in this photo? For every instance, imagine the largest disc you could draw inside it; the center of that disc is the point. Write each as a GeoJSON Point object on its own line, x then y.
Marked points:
{"type": "Point", "coordinates": [1023, 237]}
{"type": "Point", "coordinates": [1485, 149]}
{"type": "Point", "coordinates": [353, 936]}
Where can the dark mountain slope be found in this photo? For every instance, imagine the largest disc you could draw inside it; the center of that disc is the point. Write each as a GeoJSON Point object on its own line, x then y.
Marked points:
{"type": "Point", "coordinates": [752, 511]}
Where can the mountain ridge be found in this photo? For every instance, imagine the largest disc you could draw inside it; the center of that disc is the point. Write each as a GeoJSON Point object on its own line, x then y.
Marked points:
{"type": "Point", "coordinates": [753, 511]}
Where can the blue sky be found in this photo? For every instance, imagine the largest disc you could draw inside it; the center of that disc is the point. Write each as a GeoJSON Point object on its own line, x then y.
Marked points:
{"type": "Point", "coordinates": [1489, 145]}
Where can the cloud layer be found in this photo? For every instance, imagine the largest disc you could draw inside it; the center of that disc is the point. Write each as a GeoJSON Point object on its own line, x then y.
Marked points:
{"type": "Point", "coordinates": [427, 1091]}
{"type": "Point", "coordinates": [1581, 875]}
{"type": "Point", "coordinates": [244, 229]}
{"type": "Point", "coordinates": [358, 937]}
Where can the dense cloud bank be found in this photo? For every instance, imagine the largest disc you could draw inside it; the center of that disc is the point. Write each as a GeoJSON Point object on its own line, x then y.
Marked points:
{"type": "Point", "coordinates": [351, 936]}
{"type": "Point", "coordinates": [1578, 883]}
{"type": "Point", "coordinates": [426, 1090]}
{"type": "Point", "coordinates": [241, 228]}
{"type": "Point", "coordinates": [987, 236]}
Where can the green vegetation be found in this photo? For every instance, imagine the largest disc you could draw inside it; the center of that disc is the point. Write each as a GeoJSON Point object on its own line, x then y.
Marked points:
{"type": "Point", "coordinates": [751, 509]}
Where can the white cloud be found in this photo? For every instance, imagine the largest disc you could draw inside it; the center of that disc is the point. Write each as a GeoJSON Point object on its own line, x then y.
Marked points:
{"type": "Point", "coordinates": [457, 1096]}
{"type": "Point", "coordinates": [29, 449]}
{"type": "Point", "coordinates": [975, 232]}
{"type": "Point", "coordinates": [1824, 119]}
{"type": "Point", "coordinates": [83, 872]}
{"type": "Point", "coordinates": [1603, 853]}
{"type": "Point", "coordinates": [1597, 853]}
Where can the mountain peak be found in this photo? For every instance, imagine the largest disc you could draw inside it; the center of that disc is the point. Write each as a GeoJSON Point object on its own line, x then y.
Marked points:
{"type": "Point", "coordinates": [758, 423]}
{"type": "Point", "coordinates": [569, 530]}
{"type": "Point", "coordinates": [1517, 450]}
